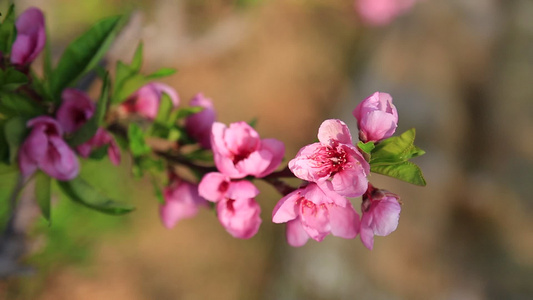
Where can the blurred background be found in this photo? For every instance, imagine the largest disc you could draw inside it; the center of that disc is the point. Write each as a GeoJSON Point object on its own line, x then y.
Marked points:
{"type": "Point", "coordinates": [461, 72]}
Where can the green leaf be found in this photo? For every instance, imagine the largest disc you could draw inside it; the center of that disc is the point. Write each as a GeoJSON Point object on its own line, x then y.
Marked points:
{"type": "Point", "coordinates": [253, 122]}
{"type": "Point", "coordinates": [15, 131]}
{"type": "Point", "coordinates": [138, 145]}
{"type": "Point", "coordinates": [146, 163]}
{"type": "Point", "coordinates": [42, 193]}
{"type": "Point", "coordinates": [89, 129]}
{"type": "Point", "coordinates": [84, 53]}
{"type": "Point", "coordinates": [406, 171]}
{"type": "Point", "coordinates": [81, 192]}
{"type": "Point", "coordinates": [15, 104]}
{"type": "Point", "coordinates": [165, 108]}
{"type": "Point", "coordinates": [396, 149]}
{"type": "Point", "coordinates": [4, 146]}
{"type": "Point", "coordinates": [12, 79]}
{"type": "Point", "coordinates": [187, 111]}
{"type": "Point", "coordinates": [128, 85]}
{"type": "Point", "coordinates": [8, 31]}
{"type": "Point", "coordinates": [47, 58]}
{"type": "Point", "coordinates": [99, 153]}
{"type": "Point", "coordinates": [137, 61]}
{"type": "Point", "coordinates": [158, 192]}
{"type": "Point", "coordinates": [366, 147]}
{"type": "Point", "coordinates": [163, 72]}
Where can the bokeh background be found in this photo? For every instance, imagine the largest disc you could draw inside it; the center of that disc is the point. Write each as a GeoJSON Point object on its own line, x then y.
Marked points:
{"type": "Point", "coordinates": [461, 72]}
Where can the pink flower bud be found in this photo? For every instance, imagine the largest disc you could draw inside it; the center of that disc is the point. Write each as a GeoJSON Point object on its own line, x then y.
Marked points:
{"type": "Point", "coordinates": [238, 151]}
{"type": "Point", "coordinates": [377, 117]}
{"type": "Point", "coordinates": [145, 101]}
{"type": "Point", "coordinates": [75, 110]}
{"type": "Point", "coordinates": [381, 12]}
{"type": "Point", "coordinates": [45, 149]}
{"type": "Point", "coordinates": [333, 157]}
{"type": "Point", "coordinates": [199, 125]}
{"type": "Point", "coordinates": [31, 37]}
{"type": "Point", "coordinates": [181, 201]}
{"type": "Point", "coordinates": [381, 212]}
{"type": "Point", "coordinates": [315, 211]}
{"type": "Point", "coordinates": [237, 209]}
{"type": "Point", "coordinates": [100, 139]}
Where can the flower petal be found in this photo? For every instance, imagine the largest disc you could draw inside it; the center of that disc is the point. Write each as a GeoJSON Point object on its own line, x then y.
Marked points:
{"type": "Point", "coordinates": [296, 235]}
{"type": "Point", "coordinates": [334, 130]}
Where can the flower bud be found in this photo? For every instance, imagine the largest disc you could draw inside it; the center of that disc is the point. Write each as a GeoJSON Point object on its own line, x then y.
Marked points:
{"type": "Point", "coordinates": [31, 37]}
{"type": "Point", "coordinates": [145, 101]}
{"type": "Point", "coordinates": [377, 117]}
{"type": "Point", "coordinates": [75, 110]}
{"type": "Point", "coordinates": [181, 201]}
{"type": "Point", "coordinates": [199, 124]}
{"type": "Point", "coordinates": [45, 149]}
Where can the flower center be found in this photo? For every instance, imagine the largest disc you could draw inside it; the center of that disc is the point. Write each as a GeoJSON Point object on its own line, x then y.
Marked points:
{"type": "Point", "coordinates": [330, 159]}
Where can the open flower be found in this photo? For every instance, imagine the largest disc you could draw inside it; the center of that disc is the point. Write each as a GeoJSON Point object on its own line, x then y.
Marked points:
{"type": "Point", "coordinates": [335, 158]}
{"type": "Point", "coordinates": [100, 139]}
{"type": "Point", "coordinates": [31, 37]}
{"type": "Point", "coordinates": [199, 124]}
{"type": "Point", "coordinates": [45, 149]}
{"type": "Point", "coordinates": [181, 201]}
{"type": "Point", "coordinates": [75, 110]}
{"type": "Point", "coordinates": [314, 212]}
{"type": "Point", "coordinates": [145, 101]}
{"type": "Point", "coordinates": [239, 152]}
{"type": "Point", "coordinates": [237, 209]}
{"type": "Point", "coordinates": [381, 212]}
{"type": "Point", "coordinates": [377, 117]}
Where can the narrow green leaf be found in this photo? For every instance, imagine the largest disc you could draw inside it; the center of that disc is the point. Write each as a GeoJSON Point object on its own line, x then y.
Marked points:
{"type": "Point", "coordinates": [47, 58]}
{"type": "Point", "coordinates": [165, 108]}
{"type": "Point", "coordinates": [88, 129]}
{"type": "Point", "coordinates": [366, 147]}
{"type": "Point", "coordinates": [187, 111]}
{"type": "Point", "coordinates": [81, 192]}
{"type": "Point", "coordinates": [15, 131]}
{"type": "Point", "coordinates": [253, 122]}
{"type": "Point", "coordinates": [42, 193]}
{"type": "Point", "coordinates": [16, 104]}
{"type": "Point", "coordinates": [158, 192]}
{"type": "Point", "coordinates": [4, 146]}
{"type": "Point", "coordinates": [396, 149]}
{"type": "Point", "coordinates": [84, 53]}
{"type": "Point", "coordinates": [163, 72]}
{"type": "Point", "coordinates": [8, 32]}
{"type": "Point", "coordinates": [406, 171]}
{"type": "Point", "coordinates": [99, 153]}
{"type": "Point", "coordinates": [137, 61]}
{"type": "Point", "coordinates": [128, 86]}
{"type": "Point", "coordinates": [138, 145]}
{"type": "Point", "coordinates": [12, 79]}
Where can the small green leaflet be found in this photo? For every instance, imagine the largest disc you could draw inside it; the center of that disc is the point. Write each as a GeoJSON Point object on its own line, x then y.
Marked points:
{"type": "Point", "coordinates": [81, 192]}
{"type": "Point", "coordinates": [366, 147]}
{"type": "Point", "coordinates": [15, 131]}
{"type": "Point", "coordinates": [84, 53]}
{"type": "Point", "coordinates": [390, 157]}
{"type": "Point", "coordinates": [42, 193]}
{"type": "Point", "coordinates": [138, 145]}
{"type": "Point", "coordinates": [8, 32]}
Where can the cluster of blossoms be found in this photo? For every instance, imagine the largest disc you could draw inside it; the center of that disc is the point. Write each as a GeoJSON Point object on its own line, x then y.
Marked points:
{"type": "Point", "coordinates": [64, 124]}
{"type": "Point", "coordinates": [381, 12]}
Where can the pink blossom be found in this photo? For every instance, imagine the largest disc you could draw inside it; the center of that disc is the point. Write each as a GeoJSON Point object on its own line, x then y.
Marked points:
{"type": "Point", "coordinates": [199, 124]}
{"type": "Point", "coordinates": [45, 149]}
{"type": "Point", "coordinates": [377, 117]}
{"type": "Point", "coordinates": [75, 110]}
{"type": "Point", "coordinates": [335, 158]}
{"type": "Point", "coordinates": [381, 12]}
{"type": "Point", "coordinates": [315, 211]}
{"type": "Point", "coordinates": [31, 37]}
{"type": "Point", "coordinates": [100, 139]}
{"type": "Point", "coordinates": [238, 151]}
{"type": "Point", "coordinates": [381, 212]}
{"type": "Point", "coordinates": [145, 101]}
{"type": "Point", "coordinates": [181, 201]}
{"type": "Point", "coordinates": [237, 209]}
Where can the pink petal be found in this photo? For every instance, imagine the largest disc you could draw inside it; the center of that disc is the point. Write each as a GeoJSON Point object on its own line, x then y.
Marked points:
{"type": "Point", "coordinates": [286, 208]}
{"type": "Point", "coordinates": [31, 37]}
{"type": "Point", "coordinates": [366, 234]}
{"type": "Point", "coordinates": [277, 149]}
{"type": "Point", "coordinates": [242, 189]}
{"type": "Point", "coordinates": [241, 139]}
{"type": "Point", "coordinates": [240, 217]}
{"type": "Point", "coordinates": [218, 131]}
{"type": "Point", "coordinates": [344, 221]}
{"type": "Point", "coordinates": [385, 216]}
{"type": "Point", "coordinates": [181, 202]}
{"type": "Point", "coordinates": [334, 130]}
{"type": "Point", "coordinates": [315, 220]}
{"type": "Point", "coordinates": [256, 163]}
{"type": "Point", "coordinates": [225, 165]}
{"type": "Point", "coordinates": [171, 92]}
{"type": "Point", "coordinates": [213, 186]}
{"type": "Point", "coordinates": [378, 125]}
{"type": "Point", "coordinates": [75, 110]}
{"type": "Point", "coordinates": [60, 161]}
{"type": "Point", "coordinates": [350, 182]}
{"type": "Point", "coordinates": [296, 235]}
{"type": "Point", "coordinates": [199, 124]}
{"type": "Point", "coordinates": [304, 165]}
{"type": "Point", "coordinates": [323, 193]}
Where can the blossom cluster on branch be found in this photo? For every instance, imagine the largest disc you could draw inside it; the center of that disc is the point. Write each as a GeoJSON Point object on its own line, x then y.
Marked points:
{"type": "Point", "coordinates": [49, 126]}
